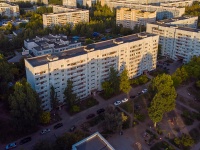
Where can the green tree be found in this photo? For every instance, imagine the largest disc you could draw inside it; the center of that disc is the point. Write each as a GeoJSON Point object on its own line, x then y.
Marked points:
{"type": "Point", "coordinates": [70, 96]}
{"type": "Point", "coordinates": [124, 84]}
{"type": "Point", "coordinates": [25, 106]}
{"type": "Point", "coordinates": [185, 140]}
{"type": "Point", "coordinates": [114, 79]}
{"type": "Point", "coordinates": [108, 89]}
{"type": "Point", "coordinates": [53, 97]}
{"type": "Point", "coordinates": [88, 41]}
{"type": "Point", "coordinates": [198, 84]}
{"type": "Point", "coordinates": [164, 95]}
{"type": "Point", "coordinates": [45, 117]}
{"type": "Point", "coordinates": [124, 117]}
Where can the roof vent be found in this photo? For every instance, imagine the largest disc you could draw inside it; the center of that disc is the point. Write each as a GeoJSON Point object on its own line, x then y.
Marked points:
{"type": "Point", "coordinates": [142, 35]}
{"type": "Point", "coordinates": [52, 57]}
{"type": "Point", "coordinates": [89, 48]}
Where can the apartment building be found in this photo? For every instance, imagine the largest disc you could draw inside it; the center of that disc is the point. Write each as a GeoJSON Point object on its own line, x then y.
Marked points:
{"type": "Point", "coordinates": [69, 3]}
{"type": "Point", "coordinates": [184, 21]}
{"type": "Point", "coordinates": [161, 11]}
{"type": "Point", "coordinates": [182, 3]}
{"type": "Point", "coordinates": [31, 1]}
{"type": "Point", "coordinates": [63, 15]}
{"type": "Point", "coordinates": [178, 43]}
{"type": "Point", "coordinates": [129, 18]}
{"type": "Point", "coordinates": [49, 44]}
{"type": "Point", "coordinates": [88, 66]}
{"type": "Point", "coordinates": [9, 9]}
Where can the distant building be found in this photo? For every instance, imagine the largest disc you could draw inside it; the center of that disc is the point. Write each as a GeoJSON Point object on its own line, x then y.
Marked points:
{"type": "Point", "coordinates": [178, 43]}
{"type": "Point", "coordinates": [88, 66]}
{"type": "Point", "coordinates": [161, 11]}
{"type": "Point", "coordinates": [63, 15]}
{"type": "Point", "coordinates": [69, 3]}
{"type": "Point", "coordinates": [31, 1]}
{"type": "Point", "coordinates": [9, 9]}
{"type": "Point", "coordinates": [180, 3]}
{"type": "Point", "coordinates": [94, 142]}
{"type": "Point", "coordinates": [129, 18]}
{"type": "Point", "coordinates": [185, 21]}
{"type": "Point", "coordinates": [49, 44]}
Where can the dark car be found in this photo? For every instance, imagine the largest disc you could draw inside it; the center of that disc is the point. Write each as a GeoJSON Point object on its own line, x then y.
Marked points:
{"type": "Point", "coordinates": [133, 96]}
{"type": "Point", "coordinates": [90, 116]}
{"type": "Point", "coordinates": [58, 125]}
{"type": "Point", "coordinates": [100, 111]}
{"type": "Point", "coordinates": [25, 140]}
{"type": "Point", "coordinates": [72, 128]}
{"type": "Point", "coordinates": [139, 93]}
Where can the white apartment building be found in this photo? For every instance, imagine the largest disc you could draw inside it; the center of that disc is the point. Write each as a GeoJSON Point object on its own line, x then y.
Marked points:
{"type": "Point", "coordinates": [182, 3]}
{"type": "Point", "coordinates": [161, 11]}
{"type": "Point", "coordinates": [9, 9]}
{"type": "Point", "coordinates": [69, 3]}
{"type": "Point", "coordinates": [178, 43]}
{"type": "Point", "coordinates": [49, 44]}
{"type": "Point", "coordinates": [129, 18]}
{"type": "Point", "coordinates": [184, 21]}
{"type": "Point", "coordinates": [63, 15]}
{"type": "Point", "coordinates": [88, 66]}
{"type": "Point", "coordinates": [31, 1]}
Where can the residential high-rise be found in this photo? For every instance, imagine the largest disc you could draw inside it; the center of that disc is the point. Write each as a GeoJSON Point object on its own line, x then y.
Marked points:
{"type": "Point", "coordinates": [178, 43]}
{"type": "Point", "coordinates": [177, 3]}
{"type": "Point", "coordinates": [9, 9]}
{"type": "Point", "coordinates": [129, 18]}
{"type": "Point", "coordinates": [63, 15]}
{"type": "Point", "coordinates": [88, 66]}
{"type": "Point", "coordinates": [69, 3]}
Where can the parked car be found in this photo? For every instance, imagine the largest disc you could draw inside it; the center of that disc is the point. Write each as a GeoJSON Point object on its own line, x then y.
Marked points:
{"type": "Point", "coordinates": [133, 96]}
{"type": "Point", "coordinates": [139, 93]}
{"type": "Point", "coordinates": [125, 100]}
{"type": "Point", "coordinates": [58, 125]}
{"type": "Point", "coordinates": [90, 116]}
{"type": "Point", "coordinates": [45, 131]}
{"type": "Point", "coordinates": [117, 103]}
{"type": "Point", "coordinates": [72, 128]}
{"type": "Point", "coordinates": [25, 140]}
{"type": "Point", "coordinates": [11, 145]}
{"type": "Point", "coordinates": [144, 90]}
{"type": "Point", "coordinates": [99, 111]}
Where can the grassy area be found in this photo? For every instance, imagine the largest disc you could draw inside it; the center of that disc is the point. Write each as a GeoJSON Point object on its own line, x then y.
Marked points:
{"type": "Point", "coordinates": [96, 120]}
{"type": "Point", "coordinates": [162, 145]}
{"type": "Point", "coordinates": [195, 134]}
{"type": "Point", "coordinates": [82, 105]}
{"type": "Point", "coordinates": [108, 97]}
{"type": "Point", "coordinates": [126, 124]}
{"type": "Point", "coordinates": [128, 106]}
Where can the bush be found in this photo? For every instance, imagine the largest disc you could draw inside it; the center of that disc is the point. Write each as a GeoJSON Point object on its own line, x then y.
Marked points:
{"type": "Point", "coordinates": [128, 106]}
{"type": "Point", "coordinates": [45, 117]}
{"type": "Point", "coordinates": [75, 108]}
{"type": "Point", "coordinates": [194, 133]}
{"type": "Point", "coordinates": [187, 121]}
{"type": "Point", "coordinates": [140, 117]}
{"type": "Point", "coordinates": [126, 124]}
{"type": "Point", "coordinates": [135, 123]}
{"type": "Point", "coordinates": [140, 80]}
{"type": "Point", "coordinates": [91, 102]}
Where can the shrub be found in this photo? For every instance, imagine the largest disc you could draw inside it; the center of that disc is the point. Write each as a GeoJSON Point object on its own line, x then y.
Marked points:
{"type": "Point", "coordinates": [140, 117]}
{"type": "Point", "coordinates": [75, 108]}
{"type": "Point", "coordinates": [45, 117]}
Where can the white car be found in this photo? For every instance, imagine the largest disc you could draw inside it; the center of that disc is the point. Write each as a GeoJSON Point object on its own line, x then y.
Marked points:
{"type": "Point", "coordinates": [144, 90]}
{"type": "Point", "coordinates": [45, 131]}
{"type": "Point", "coordinates": [11, 145]}
{"type": "Point", "coordinates": [125, 100]}
{"type": "Point", "coordinates": [117, 103]}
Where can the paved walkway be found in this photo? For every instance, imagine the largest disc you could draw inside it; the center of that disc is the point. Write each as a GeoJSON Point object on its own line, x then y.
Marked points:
{"type": "Point", "coordinates": [17, 58]}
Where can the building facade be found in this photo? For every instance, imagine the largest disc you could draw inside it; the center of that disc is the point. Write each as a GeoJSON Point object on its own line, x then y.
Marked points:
{"type": "Point", "coordinates": [184, 21]}
{"type": "Point", "coordinates": [63, 15]}
{"type": "Point", "coordinates": [9, 9]}
{"type": "Point", "coordinates": [69, 3]}
{"type": "Point", "coordinates": [31, 1]}
{"type": "Point", "coordinates": [49, 44]}
{"type": "Point", "coordinates": [178, 43]}
{"type": "Point", "coordinates": [129, 18]}
{"type": "Point", "coordinates": [161, 11]}
{"type": "Point", "coordinates": [88, 66]}
{"type": "Point", "coordinates": [177, 3]}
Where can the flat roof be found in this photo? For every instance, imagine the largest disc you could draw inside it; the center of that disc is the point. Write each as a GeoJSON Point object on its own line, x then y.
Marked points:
{"type": "Point", "coordinates": [93, 142]}
{"type": "Point", "coordinates": [176, 19]}
{"type": "Point", "coordinates": [177, 27]}
{"type": "Point", "coordinates": [41, 60]}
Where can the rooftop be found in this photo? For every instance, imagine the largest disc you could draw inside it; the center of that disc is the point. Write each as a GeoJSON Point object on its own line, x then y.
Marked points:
{"type": "Point", "coordinates": [41, 60]}
{"type": "Point", "coordinates": [177, 27]}
{"type": "Point", "coordinates": [93, 142]}
{"type": "Point", "coordinates": [176, 19]}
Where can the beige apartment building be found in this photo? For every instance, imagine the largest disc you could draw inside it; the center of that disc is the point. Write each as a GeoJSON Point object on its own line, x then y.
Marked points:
{"type": "Point", "coordinates": [69, 3]}
{"type": "Point", "coordinates": [129, 18]}
{"type": "Point", "coordinates": [9, 9]}
{"type": "Point", "coordinates": [88, 66]}
{"type": "Point", "coordinates": [178, 43]}
{"type": "Point", "coordinates": [71, 16]}
{"type": "Point", "coordinates": [182, 3]}
{"type": "Point", "coordinates": [31, 1]}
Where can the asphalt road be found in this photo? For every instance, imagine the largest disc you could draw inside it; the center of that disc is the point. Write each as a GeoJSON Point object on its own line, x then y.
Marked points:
{"type": "Point", "coordinates": [69, 121]}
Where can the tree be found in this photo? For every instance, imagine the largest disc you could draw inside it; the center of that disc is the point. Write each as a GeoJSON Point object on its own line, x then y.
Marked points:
{"type": "Point", "coordinates": [70, 96]}
{"type": "Point", "coordinates": [113, 119]}
{"type": "Point", "coordinates": [108, 89]}
{"type": "Point", "coordinates": [53, 97]}
{"type": "Point", "coordinates": [124, 82]}
{"type": "Point", "coordinates": [163, 99]}
{"type": "Point", "coordinates": [185, 140]}
{"type": "Point", "coordinates": [124, 117]}
{"type": "Point", "coordinates": [45, 117]}
{"type": "Point", "coordinates": [43, 145]}
{"type": "Point", "coordinates": [114, 79]}
{"type": "Point", "coordinates": [25, 106]}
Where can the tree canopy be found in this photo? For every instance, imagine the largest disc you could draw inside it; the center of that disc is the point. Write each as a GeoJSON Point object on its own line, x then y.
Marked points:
{"type": "Point", "coordinates": [70, 96]}
{"type": "Point", "coordinates": [164, 97]}
{"type": "Point", "coordinates": [25, 106]}
{"type": "Point", "coordinates": [124, 84]}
